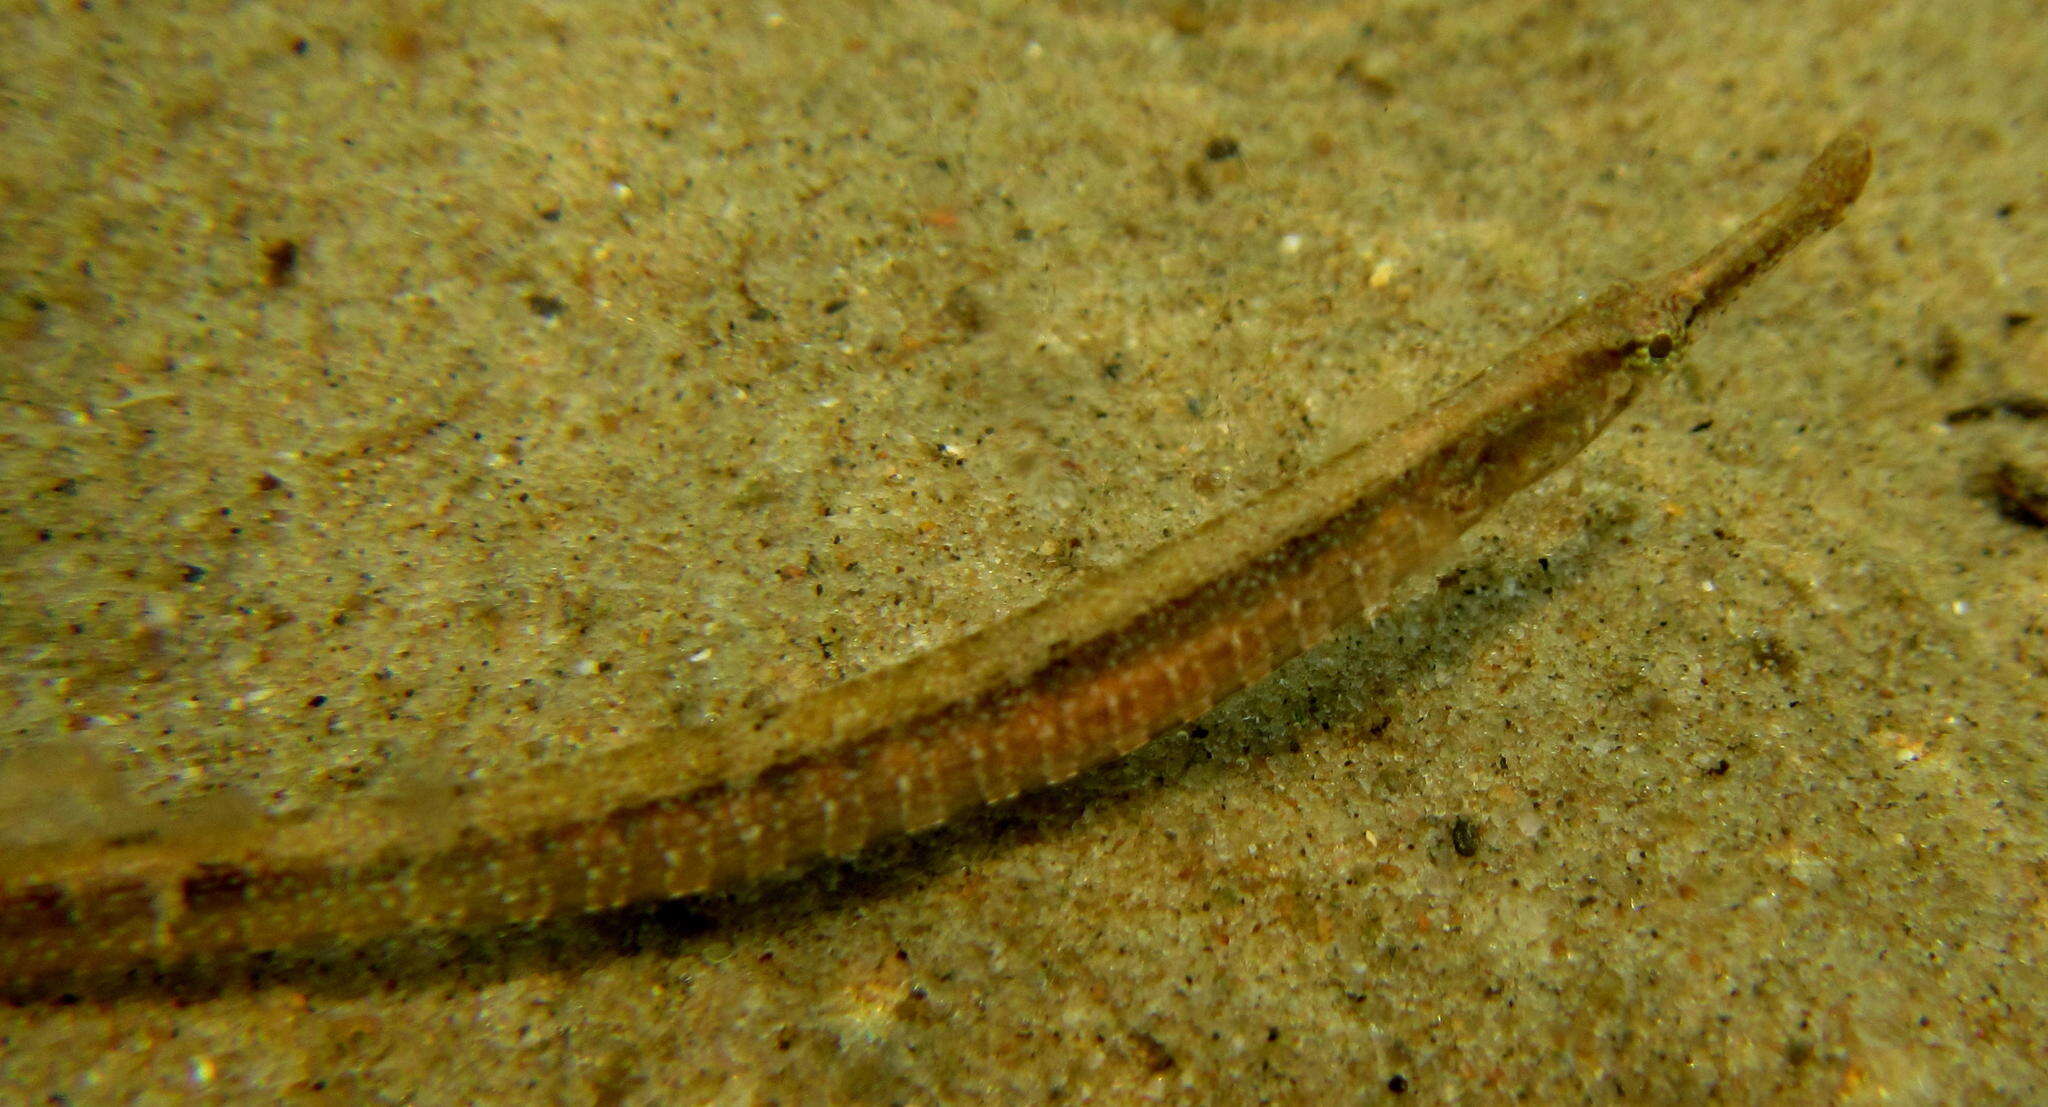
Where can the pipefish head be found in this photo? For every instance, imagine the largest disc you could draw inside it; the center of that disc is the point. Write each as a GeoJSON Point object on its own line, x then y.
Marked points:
{"type": "Point", "coordinates": [1646, 325]}
{"type": "Point", "coordinates": [1832, 182]}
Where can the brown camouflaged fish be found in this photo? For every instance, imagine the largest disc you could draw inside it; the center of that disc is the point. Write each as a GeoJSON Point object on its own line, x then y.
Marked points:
{"type": "Point", "coordinates": [1084, 677]}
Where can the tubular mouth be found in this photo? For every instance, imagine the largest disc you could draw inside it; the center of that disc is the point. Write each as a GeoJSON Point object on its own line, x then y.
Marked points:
{"type": "Point", "coordinates": [1831, 183]}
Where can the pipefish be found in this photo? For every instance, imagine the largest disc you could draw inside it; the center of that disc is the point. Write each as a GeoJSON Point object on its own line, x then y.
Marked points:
{"type": "Point", "coordinates": [1077, 680]}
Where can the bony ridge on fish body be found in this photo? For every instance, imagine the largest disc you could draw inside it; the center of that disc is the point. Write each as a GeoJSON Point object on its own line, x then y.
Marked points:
{"type": "Point", "coordinates": [1079, 679]}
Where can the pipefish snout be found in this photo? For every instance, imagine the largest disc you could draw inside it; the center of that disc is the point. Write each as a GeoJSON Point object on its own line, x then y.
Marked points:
{"type": "Point", "coordinates": [1082, 678]}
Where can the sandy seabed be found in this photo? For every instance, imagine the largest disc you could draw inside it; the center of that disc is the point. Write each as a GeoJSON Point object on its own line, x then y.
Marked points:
{"type": "Point", "coordinates": [421, 392]}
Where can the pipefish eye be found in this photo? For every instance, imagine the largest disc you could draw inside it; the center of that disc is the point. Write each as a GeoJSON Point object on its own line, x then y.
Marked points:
{"type": "Point", "coordinates": [1654, 348]}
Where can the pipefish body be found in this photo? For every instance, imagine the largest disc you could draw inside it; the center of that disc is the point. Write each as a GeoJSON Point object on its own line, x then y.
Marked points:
{"type": "Point", "coordinates": [1080, 679]}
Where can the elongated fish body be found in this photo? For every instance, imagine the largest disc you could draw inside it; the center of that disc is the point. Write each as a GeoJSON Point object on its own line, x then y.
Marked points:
{"type": "Point", "coordinates": [1086, 676]}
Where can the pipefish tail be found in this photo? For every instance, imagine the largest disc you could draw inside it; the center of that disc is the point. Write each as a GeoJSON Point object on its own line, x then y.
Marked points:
{"type": "Point", "coordinates": [1080, 679]}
